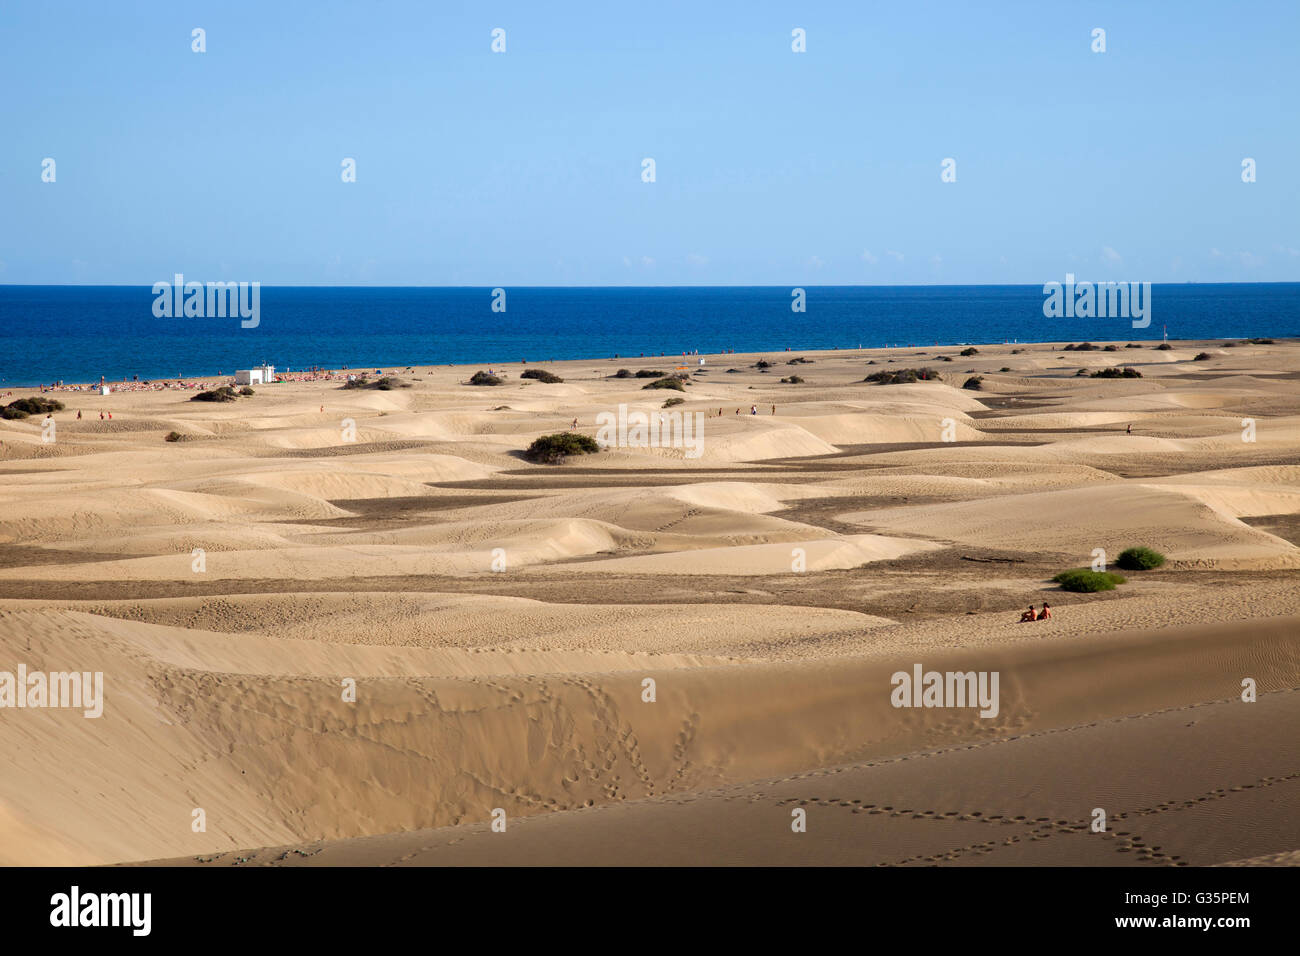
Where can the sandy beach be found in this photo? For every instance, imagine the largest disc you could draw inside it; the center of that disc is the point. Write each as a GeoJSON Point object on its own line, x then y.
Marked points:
{"type": "Point", "coordinates": [501, 625]}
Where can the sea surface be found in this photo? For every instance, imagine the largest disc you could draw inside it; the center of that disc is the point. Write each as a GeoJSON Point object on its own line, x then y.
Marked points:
{"type": "Point", "coordinates": [78, 333]}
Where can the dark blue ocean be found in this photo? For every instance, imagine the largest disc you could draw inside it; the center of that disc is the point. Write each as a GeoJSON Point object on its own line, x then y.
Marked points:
{"type": "Point", "coordinates": [78, 333]}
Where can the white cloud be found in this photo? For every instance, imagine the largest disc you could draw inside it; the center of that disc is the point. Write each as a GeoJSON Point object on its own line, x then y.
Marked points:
{"type": "Point", "coordinates": [868, 258]}
{"type": "Point", "coordinates": [1110, 255]}
{"type": "Point", "coordinates": [898, 256]}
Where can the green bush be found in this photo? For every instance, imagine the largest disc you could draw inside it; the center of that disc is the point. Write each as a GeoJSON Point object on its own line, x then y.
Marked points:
{"type": "Point", "coordinates": [1086, 581]}
{"type": "Point", "coordinates": [792, 380]}
{"type": "Point", "coordinates": [553, 449]}
{"type": "Point", "coordinates": [761, 363]}
{"type": "Point", "coordinates": [542, 375]}
{"type": "Point", "coordinates": [974, 383]}
{"type": "Point", "coordinates": [483, 378]}
{"type": "Point", "coordinates": [223, 394]}
{"type": "Point", "coordinates": [1081, 347]}
{"type": "Point", "coordinates": [669, 382]}
{"type": "Point", "coordinates": [1202, 357]}
{"type": "Point", "coordinates": [623, 373]}
{"type": "Point", "coordinates": [173, 436]}
{"type": "Point", "coordinates": [1117, 373]}
{"type": "Point", "coordinates": [673, 401]}
{"type": "Point", "coordinates": [1111, 348]}
{"type": "Point", "coordinates": [1005, 368]}
{"type": "Point", "coordinates": [1164, 347]}
{"type": "Point", "coordinates": [1140, 559]}
{"type": "Point", "coordinates": [648, 373]}
{"type": "Point", "coordinates": [1133, 345]}
{"type": "Point", "coordinates": [902, 376]}
{"type": "Point", "coordinates": [972, 350]}
{"type": "Point", "coordinates": [35, 405]}
{"type": "Point", "coordinates": [246, 391]}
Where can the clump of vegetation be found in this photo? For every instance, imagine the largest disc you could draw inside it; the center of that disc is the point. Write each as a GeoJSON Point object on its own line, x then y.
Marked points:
{"type": "Point", "coordinates": [945, 358]}
{"type": "Point", "coordinates": [1202, 357]}
{"type": "Point", "coordinates": [173, 436]}
{"type": "Point", "coordinates": [1086, 581]}
{"type": "Point", "coordinates": [223, 394]}
{"type": "Point", "coordinates": [1258, 342]}
{"type": "Point", "coordinates": [1111, 348]}
{"type": "Point", "coordinates": [360, 381]}
{"type": "Point", "coordinates": [553, 449]}
{"type": "Point", "coordinates": [246, 391]}
{"type": "Point", "coordinates": [623, 373]}
{"type": "Point", "coordinates": [1082, 371]}
{"type": "Point", "coordinates": [483, 378]}
{"type": "Point", "coordinates": [1133, 345]}
{"type": "Point", "coordinates": [35, 405]}
{"type": "Point", "coordinates": [673, 401]}
{"type": "Point", "coordinates": [762, 363]}
{"type": "Point", "coordinates": [1140, 559]}
{"type": "Point", "coordinates": [792, 380]}
{"type": "Point", "coordinates": [902, 376]}
{"type": "Point", "coordinates": [969, 351]}
{"type": "Point", "coordinates": [1164, 347]}
{"type": "Point", "coordinates": [974, 383]}
{"type": "Point", "coordinates": [1005, 368]}
{"type": "Point", "coordinates": [730, 370]}
{"type": "Point", "coordinates": [1117, 372]}
{"type": "Point", "coordinates": [1230, 345]}
{"type": "Point", "coordinates": [384, 384]}
{"type": "Point", "coordinates": [648, 373]}
{"type": "Point", "coordinates": [667, 382]}
{"type": "Point", "coordinates": [541, 375]}
{"type": "Point", "coordinates": [1081, 347]}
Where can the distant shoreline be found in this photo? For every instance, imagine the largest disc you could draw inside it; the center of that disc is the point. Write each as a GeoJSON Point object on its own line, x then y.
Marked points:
{"type": "Point", "coordinates": [692, 359]}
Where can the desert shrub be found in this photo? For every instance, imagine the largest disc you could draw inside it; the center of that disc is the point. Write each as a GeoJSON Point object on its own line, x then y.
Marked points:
{"type": "Point", "coordinates": [1260, 342]}
{"type": "Point", "coordinates": [730, 370]}
{"type": "Point", "coordinates": [553, 449]}
{"type": "Point", "coordinates": [1082, 371]}
{"type": "Point", "coordinates": [1230, 345]}
{"type": "Point", "coordinates": [1139, 559]}
{"type": "Point", "coordinates": [173, 436]}
{"type": "Point", "coordinates": [622, 373]}
{"type": "Point", "coordinates": [1086, 581]}
{"type": "Point", "coordinates": [667, 382]}
{"type": "Point", "coordinates": [792, 380]}
{"type": "Point", "coordinates": [974, 383]}
{"type": "Point", "coordinates": [483, 378]}
{"type": "Point", "coordinates": [1081, 347]}
{"type": "Point", "coordinates": [1164, 347]}
{"type": "Point", "coordinates": [1117, 373]}
{"type": "Point", "coordinates": [548, 378]}
{"type": "Point", "coordinates": [673, 401]}
{"type": "Point", "coordinates": [945, 358]}
{"type": "Point", "coordinates": [969, 351]}
{"type": "Point", "coordinates": [1005, 368]}
{"type": "Point", "coordinates": [1133, 345]}
{"type": "Point", "coordinates": [359, 382]}
{"type": "Point", "coordinates": [33, 405]}
{"type": "Point", "coordinates": [246, 391]}
{"type": "Point", "coordinates": [223, 394]}
{"type": "Point", "coordinates": [1202, 357]}
{"type": "Point", "coordinates": [648, 373]}
{"type": "Point", "coordinates": [1111, 348]}
{"type": "Point", "coordinates": [902, 376]}
{"type": "Point", "coordinates": [761, 363]}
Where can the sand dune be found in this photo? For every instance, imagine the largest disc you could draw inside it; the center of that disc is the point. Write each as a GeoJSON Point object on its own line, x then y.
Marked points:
{"type": "Point", "coordinates": [500, 618]}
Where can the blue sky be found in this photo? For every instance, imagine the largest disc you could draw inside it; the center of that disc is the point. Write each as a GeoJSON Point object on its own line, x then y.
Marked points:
{"type": "Point", "coordinates": [524, 167]}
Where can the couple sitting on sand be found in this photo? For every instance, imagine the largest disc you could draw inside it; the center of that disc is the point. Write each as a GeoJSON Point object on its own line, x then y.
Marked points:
{"type": "Point", "coordinates": [1044, 615]}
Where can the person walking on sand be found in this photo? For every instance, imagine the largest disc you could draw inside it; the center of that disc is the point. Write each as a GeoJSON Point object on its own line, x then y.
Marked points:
{"type": "Point", "coordinates": [773, 409]}
{"type": "Point", "coordinates": [753, 409]}
{"type": "Point", "coordinates": [574, 426]}
{"type": "Point", "coordinates": [1129, 430]}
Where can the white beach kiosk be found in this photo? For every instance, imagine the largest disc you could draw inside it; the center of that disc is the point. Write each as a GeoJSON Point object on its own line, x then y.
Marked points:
{"type": "Point", "coordinates": [261, 375]}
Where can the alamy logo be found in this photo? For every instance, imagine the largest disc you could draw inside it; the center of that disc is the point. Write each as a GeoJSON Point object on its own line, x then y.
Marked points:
{"type": "Point", "coordinates": [652, 430]}
{"type": "Point", "coordinates": [74, 908]}
{"type": "Point", "coordinates": [1120, 300]}
{"type": "Point", "coordinates": [191, 300]}
{"type": "Point", "coordinates": [950, 689]}
{"type": "Point", "coordinates": [56, 689]}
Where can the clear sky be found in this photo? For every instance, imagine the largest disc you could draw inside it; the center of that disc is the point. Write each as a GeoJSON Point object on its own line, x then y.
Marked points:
{"type": "Point", "coordinates": [525, 167]}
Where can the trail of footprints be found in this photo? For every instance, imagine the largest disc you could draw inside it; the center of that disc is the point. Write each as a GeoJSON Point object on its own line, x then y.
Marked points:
{"type": "Point", "coordinates": [1041, 828]}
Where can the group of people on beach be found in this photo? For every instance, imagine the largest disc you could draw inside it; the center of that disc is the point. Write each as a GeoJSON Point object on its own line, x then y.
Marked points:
{"type": "Point", "coordinates": [1044, 615]}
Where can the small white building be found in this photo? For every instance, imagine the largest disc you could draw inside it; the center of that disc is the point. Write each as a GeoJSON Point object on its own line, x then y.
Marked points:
{"type": "Point", "coordinates": [262, 375]}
